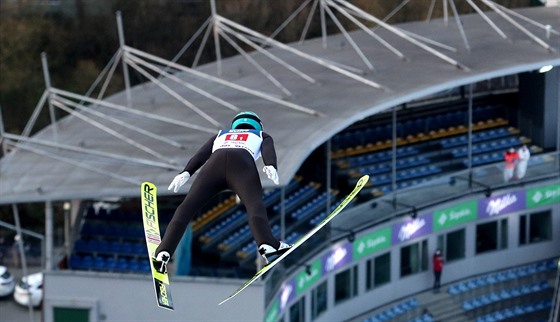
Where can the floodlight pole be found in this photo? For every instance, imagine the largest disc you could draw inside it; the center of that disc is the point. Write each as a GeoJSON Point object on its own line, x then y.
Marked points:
{"type": "Point", "coordinates": [21, 252]}
{"type": "Point", "coordinates": [2, 140]}
{"type": "Point", "coordinates": [125, 67]}
{"type": "Point", "coordinates": [47, 78]}
{"type": "Point", "coordinates": [329, 175]}
{"type": "Point", "coordinates": [216, 32]}
{"type": "Point", "coordinates": [469, 127]}
{"type": "Point", "coordinates": [394, 151]}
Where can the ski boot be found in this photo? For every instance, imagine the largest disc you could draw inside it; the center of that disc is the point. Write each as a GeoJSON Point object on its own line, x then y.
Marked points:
{"type": "Point", "coordinates": [160, 261]}
{"type": "Point", "coordinates": [270, 253]}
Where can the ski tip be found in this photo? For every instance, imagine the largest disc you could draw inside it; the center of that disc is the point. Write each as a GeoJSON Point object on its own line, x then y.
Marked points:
{"type": "Point", "coordinates": [363, 180]}
{"type": "Point", "coordinates": [222, 302]}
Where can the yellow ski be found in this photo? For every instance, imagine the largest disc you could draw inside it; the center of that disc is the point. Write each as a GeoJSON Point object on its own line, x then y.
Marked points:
{"type": "Point", "coordinates": [153, 239]}
{"type": "Point", "coordinates": [359, 185]}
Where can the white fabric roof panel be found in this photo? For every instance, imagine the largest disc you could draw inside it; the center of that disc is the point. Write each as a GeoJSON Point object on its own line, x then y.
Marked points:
{"type": "Point", "coordinates": [36, 173]}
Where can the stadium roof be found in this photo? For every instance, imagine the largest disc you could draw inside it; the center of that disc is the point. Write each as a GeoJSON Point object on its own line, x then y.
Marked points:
{"type": "Point", "coordinates": [305, 93]}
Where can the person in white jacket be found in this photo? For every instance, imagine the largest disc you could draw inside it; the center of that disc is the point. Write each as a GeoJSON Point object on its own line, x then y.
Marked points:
{"type": "Point", "coordinates": [229, 163]}
{"type": "Point", "coordinates": [521, 167]}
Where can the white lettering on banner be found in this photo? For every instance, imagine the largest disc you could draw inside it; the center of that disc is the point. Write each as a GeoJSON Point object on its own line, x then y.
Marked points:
{"type": "Point", "coordinates": [285, 295]}
{"type": "Point", "coordinates": [409, 229]}
{"type": "Point", "coordinates": [552, 193]}
{"type": "Point", "coordinates": [497, 205]}
{"type": "Point", "coordinates": [374, 242]}
{"type": "Point", "coordinates": [335, 258]}
{"type": "Point", "coordinates": [460, 214]}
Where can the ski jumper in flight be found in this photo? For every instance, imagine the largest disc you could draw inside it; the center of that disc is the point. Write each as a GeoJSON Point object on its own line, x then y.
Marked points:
{"type": "Point", "coordinates": [229, 163]}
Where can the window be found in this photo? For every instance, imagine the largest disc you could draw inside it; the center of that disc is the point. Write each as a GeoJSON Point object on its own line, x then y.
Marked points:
{"type": "Point", "coordinates": [71, 314]}
{"type": "Point", "coordinates": [491, 236]}
{"type": "Point", "coordinates": [378, 271]}
{"type": "Point", "coordinates": [414, 258]}
{"type": "Point", "coordinates": [346, 284]}
{"type": "Point", "coordinates": [319, 300]}
{"type": "Point", "coordinates": [534, 228]}
{"type": "Point", "coordinates": [452, 245]}
{"type": "Point", "coordinates": [297, 311]}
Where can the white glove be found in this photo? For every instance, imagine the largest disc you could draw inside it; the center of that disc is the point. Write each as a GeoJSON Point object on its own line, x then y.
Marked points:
{"type": "Point", "coordinates": [179, 181]}
{"type": "Point", "coordinates": [271, 173]}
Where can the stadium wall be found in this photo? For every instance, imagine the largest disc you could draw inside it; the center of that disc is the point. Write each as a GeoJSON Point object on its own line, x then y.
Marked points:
{"type": "Point", "coordinates": [301, 288]}
{"type": "Point", "coordinates": [130, 297]}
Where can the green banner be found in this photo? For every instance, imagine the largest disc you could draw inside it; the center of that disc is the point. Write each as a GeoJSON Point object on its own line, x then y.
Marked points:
{"type": "Point", "coordinates": [272, 314]}
{"type": "Point", "coordinates": [371, 243]}
{"type": "Point", "coordinates": [456, 215]}
{"type": "Point", "coordinates": [309, 276]}
{"type": "Point", "coordinates": [541, 196]}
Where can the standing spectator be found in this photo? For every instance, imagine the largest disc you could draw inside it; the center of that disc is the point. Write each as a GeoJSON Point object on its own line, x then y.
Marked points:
{"type": "Point", "coordinates": [437, 261]}
{"type": "Point", "coordinates": [523, 154]}
{"type": "Point", "coordinates": [510, 158]}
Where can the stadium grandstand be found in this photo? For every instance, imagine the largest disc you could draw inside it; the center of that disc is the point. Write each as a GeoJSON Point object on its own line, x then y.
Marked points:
{"type": "Point", "coordinates": [427, 109]}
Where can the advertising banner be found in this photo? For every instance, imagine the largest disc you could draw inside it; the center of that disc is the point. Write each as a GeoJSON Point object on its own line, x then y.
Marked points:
{"type": "Point", "coordinates": [309, 276]}
{"type": "Point", "coordinates": [501, 205]}
{"type": "Point", "coordinates": [287, 294]}
{"type": "Point", "coordinates": [372, 243]}
{"type": "Point", "coordinates": [455, 215]}
{"type": "Point", "coordinates": [338, 256]}
{"type": "Point", "coordinates": [272, 313]}
{"type": "Point", "coordinates": [412, 229]}
{"type": "Point", "coordinates": [545, 195]}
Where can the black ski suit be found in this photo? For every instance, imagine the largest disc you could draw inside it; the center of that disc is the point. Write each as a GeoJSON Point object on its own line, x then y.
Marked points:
{"type": "Point", "coordinates": [226, 168]}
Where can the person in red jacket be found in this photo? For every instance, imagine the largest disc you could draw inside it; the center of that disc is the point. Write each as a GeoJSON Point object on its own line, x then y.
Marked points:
{"type": "Point", "coordinates": [510, 158]}
{"type": "Point", "coordinates": [437, 261]}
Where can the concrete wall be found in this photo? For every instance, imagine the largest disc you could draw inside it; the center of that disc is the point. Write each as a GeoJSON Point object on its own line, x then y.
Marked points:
{"type": "Point", "coordinates": [130, 297]}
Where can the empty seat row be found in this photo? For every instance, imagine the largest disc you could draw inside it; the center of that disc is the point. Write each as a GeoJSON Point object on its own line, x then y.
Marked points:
{"type": "Point", "coordinates": [513, 274]}
{"type": "Point", "coordinates": [394, 312]}
{"type": "Point", "coordinates": [310, 208]}
{"type": "Point", "coordinates": [479, 136]}
{"type": "Point", "coordinates": [213, 213]}
{"type": "Point", "coordinates": [425, 317]}
{"type": "Point", "coordinates": [101, 263]}
{"type": "Point", "coordinates": [223, 226]}
{"type": "Point", "coordinates": [425, 170]}
{"type": "Point", "coordinates": [102, 213]}
{"type": "Point", "coordinates": [516, 311]}
{"type": "Point", "coordinates": [504, 294]}
{"type": "Point", "coordinates": [377, 157]}
{"type": "Point", "coordinates": [297, 198]}
{"type": "Point", "coordinates": [115, 230]}
{"type": "Point", "coordinates": [412, 126]}
{"type": "Point", "coordinates": [496, 145]}
{"type": "Point", "coordinates": [107, 247]}
{"type": "Point", "coordinates": [387, 167]}
{"type": "Point", "coordinates": [484, 159]}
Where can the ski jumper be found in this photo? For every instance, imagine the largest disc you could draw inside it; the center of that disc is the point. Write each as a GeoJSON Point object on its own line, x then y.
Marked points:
{"type": "Point", "coordinates": [229, 163]}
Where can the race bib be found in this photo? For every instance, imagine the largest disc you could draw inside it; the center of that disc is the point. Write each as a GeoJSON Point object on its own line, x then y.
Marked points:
{"type": "Point", "coordinates": [249, 140]}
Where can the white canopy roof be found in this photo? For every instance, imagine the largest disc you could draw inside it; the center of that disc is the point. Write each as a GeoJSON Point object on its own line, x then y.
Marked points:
{"type": "Point", "coordinates": [304, 94]}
